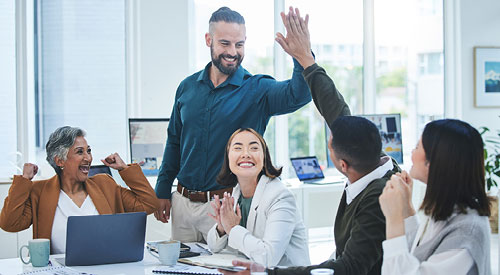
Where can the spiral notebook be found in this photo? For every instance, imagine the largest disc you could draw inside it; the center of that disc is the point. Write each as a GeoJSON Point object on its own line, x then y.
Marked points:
{"type": "Point", "coordinates": [56, 270]}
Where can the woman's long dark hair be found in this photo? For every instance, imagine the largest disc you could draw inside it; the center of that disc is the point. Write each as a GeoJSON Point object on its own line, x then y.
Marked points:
{"type": "Point", "coordinates": [455, 152]}
{"type": "Point", "coordinates": [226, 177]}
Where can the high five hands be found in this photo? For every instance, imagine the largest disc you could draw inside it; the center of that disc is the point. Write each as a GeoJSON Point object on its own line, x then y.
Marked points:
{"type": "Point", "coordinates": [297, 42]}
{"type": "Point", "coordinates": [225, 216]}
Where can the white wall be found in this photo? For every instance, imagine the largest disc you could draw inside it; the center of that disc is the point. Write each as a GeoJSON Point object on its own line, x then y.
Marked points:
{"type": "Point", "coordinates": [480, 26]}
{"type": "Point", "coordinates": [162, 53]}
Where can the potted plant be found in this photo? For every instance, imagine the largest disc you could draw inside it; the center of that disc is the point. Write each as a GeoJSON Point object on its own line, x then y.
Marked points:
{"type": "Point", "coordinates": [492, 172]}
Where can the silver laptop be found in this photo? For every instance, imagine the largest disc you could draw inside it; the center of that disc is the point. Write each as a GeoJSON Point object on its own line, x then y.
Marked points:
{"type": "Point", "coordinates": [308, 170]}
{"type": "Point", "coordinates": [105, 239]}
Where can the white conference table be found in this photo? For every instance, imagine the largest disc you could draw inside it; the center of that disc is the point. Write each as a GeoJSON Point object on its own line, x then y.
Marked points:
{"type": "Point", "coordinates": [146, 266]}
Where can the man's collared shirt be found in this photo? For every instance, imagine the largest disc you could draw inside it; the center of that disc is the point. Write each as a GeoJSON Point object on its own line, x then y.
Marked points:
{"type": "Point", "coordinates": [354, 189]}
{"type": "Point", "coordinates": [204, 117]}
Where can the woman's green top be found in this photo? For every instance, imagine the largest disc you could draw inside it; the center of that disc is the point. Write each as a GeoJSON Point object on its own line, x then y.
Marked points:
{"type": "Point", "coordinates": [244, 204]}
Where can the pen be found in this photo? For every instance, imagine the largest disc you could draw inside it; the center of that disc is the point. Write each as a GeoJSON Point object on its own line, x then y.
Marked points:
{"type": "Point", "coordinates": [204, 249]}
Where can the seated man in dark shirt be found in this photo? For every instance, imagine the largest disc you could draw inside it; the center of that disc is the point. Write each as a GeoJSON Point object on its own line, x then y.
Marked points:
{"type": "Point", "coordinates": [355, 149]}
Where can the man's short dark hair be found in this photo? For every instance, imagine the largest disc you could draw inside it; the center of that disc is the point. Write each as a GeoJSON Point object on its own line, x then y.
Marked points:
{"type": "Point", "coordinates": [227, 15]}
{"type": "Point", "coordinates": [356, 140]}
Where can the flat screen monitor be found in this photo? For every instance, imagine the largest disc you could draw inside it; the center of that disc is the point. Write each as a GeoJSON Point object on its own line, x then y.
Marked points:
{"type": "Point", "coordinates": [148, 137]}
{"type": "Point", "coordinates": [389, 126]}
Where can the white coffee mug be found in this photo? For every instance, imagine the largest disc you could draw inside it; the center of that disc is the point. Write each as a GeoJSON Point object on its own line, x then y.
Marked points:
{"type": "Point", "coordinates": [168, 252]}
{"type": "Point", "coordinates": [322, 271]}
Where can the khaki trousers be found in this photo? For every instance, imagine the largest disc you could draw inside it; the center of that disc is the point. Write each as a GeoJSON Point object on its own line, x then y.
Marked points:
{"type": "Point", "coordinates": [190, 221]}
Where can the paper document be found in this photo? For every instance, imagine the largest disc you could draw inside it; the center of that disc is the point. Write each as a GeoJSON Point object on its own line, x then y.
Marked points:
{"type": "Point", "coordinates": [217, 260]}
{"type": "Point", "coordinates": [185, 269]}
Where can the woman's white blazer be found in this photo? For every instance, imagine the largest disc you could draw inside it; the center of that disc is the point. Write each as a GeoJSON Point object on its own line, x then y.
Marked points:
{"type": "Point", "coordinates": [274, 234]}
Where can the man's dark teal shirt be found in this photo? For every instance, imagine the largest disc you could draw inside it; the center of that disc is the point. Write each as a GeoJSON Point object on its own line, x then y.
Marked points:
{"type": "Point", "coordinates": [204, 117]}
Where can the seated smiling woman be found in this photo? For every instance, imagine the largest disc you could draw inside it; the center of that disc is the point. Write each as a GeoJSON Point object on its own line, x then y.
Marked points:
{"type": "Point", "coordinates": [261, 218]}
{"type": "Point", "coordinates": [47, 204]}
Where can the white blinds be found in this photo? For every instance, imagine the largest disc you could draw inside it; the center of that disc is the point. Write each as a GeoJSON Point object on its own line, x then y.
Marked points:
{"type": "Point", "coordinates": [8, 127]}
{"type": "Point", "coordinates": [83, 71]}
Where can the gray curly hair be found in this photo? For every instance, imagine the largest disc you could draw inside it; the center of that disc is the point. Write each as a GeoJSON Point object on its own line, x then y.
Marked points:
{"type": "Point", "coordinates": [59, 143]}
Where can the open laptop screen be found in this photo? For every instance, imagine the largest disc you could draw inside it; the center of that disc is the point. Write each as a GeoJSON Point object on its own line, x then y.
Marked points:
{"type": "Point", "coordinates": [307, 168]}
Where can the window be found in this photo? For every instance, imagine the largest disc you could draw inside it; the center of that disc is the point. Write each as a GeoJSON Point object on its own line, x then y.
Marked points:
{"type": "Point", "coordinates": [430, 63]}
{"type": "Point", "coordinates": [409, 68]}
{"type": "Point", "coordinates": [408, 62]}
{"type": "Point", "coordinates": [82, 72]}
{"type": "Point", "coordinates": [344, 64]}
{"type": "Point", "coordinates": [8, 145]}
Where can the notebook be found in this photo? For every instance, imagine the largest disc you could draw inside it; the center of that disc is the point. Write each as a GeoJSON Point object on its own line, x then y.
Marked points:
{"type": "Point", "coordinates": [55, 270]}
{"type": "Point", "coordinates": [308, 170]}
{"type": "Point", "coordinates": [105, 239]}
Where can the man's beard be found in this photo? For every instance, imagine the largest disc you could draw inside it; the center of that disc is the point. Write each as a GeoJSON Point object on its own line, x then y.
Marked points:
{"type": "Point", "coordinates": [217, 61]}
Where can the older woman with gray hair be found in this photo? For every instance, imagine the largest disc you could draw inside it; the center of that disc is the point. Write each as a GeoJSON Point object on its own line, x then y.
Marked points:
{"type": "Point", "coordinates": [47, 204]}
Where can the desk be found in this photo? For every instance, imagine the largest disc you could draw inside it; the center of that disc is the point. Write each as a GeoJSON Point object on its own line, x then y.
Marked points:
{"type": "Point", "coordinates": [146, 266]}
{"type": "Point", "coordinates": [317, 203]}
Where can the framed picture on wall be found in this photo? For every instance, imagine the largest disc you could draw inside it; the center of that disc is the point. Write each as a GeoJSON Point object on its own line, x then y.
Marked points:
{"type": "Point", "coordinates": [487, 76]}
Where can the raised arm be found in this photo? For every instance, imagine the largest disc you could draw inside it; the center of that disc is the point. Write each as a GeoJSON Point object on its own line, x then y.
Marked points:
{"type": "Point", "coordinates": [326, 97]}
{"type": "Point", "coordinates": [17, 212]}
{"type": "Point", "coordinates": [140, 196]}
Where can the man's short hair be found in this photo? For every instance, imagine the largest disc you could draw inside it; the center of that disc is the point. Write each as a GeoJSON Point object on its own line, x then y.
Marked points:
{"type": "Point", "coordinates": [227, 15]}
{"type": "Point", "coordinates": [357, 141]}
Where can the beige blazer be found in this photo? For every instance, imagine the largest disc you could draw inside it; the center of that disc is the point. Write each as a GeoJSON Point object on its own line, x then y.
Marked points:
{"type": "Point", "coordinates": [35, 202]}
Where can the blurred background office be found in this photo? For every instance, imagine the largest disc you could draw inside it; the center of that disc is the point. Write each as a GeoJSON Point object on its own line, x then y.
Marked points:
{"type": "Point", "coordinates": [95, 64]}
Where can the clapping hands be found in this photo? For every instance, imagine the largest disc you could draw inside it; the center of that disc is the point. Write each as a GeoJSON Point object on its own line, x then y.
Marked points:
{"type": "Point", "coordinates": [395, 202]}
{"type": "Point", "coordinates": [225, 216]}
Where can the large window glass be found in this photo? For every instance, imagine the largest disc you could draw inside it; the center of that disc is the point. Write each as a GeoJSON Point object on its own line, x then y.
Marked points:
{"type": "Point", "coordinates": [259, 24]}
{"type": "Point", "coordinates": [8, 142]}
{"type": "Point", "coordinates": [409, 63]}
{"type": "Point", "coordinates": [408, 60]}
{"type": "Point", "coordinates": [336, 29]}
{"type": "Point", "coordinates": [82, 72]}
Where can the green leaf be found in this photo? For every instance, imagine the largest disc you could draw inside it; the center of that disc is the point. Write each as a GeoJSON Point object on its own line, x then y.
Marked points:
{"type": "Point", "coordinates": [483, 130]}
{"type": "Point", "coordinates": [489, 183]}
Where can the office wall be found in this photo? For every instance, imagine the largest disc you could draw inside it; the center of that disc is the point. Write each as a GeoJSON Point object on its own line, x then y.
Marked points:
{"type": "Point", "coordinates": [162, 52]}
{"type": "Point", "coordinates": [480, 26]}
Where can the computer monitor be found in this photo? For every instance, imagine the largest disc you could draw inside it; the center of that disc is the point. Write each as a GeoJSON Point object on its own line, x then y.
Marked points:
{"type": "Point", "coordinates": [389, 126]}
{"type": "Point", "coordinates": [148, 137]}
